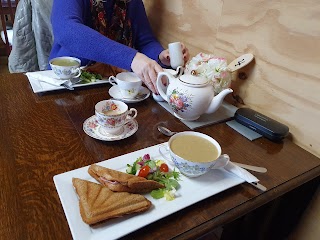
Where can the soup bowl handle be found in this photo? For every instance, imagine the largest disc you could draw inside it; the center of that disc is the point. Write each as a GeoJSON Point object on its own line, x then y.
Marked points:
{"type": "Point", "coordinates": [163, 155]}
{"type": "Point", "coordinates": [76, 72]}
{"type": "Point", "coordinates": [221, 161]}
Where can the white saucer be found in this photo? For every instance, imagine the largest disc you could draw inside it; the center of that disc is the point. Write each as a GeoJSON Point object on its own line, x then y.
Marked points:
{"type": "Point", "coordinates": [143, 94]}
{"type": "Point", "coordinates": [94, 130]}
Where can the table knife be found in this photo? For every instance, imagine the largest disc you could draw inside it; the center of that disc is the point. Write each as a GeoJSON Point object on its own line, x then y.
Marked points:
{"type": "Point", "coordinates": [245, 175]}
{"type": "Point", "coordinates": [258, 185]}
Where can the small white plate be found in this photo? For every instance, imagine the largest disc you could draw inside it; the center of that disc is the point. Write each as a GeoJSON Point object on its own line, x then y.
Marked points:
{"type": "Point", "coordinates": [143, 94]}
{"type": "Point", "coordinates": [94, 130]}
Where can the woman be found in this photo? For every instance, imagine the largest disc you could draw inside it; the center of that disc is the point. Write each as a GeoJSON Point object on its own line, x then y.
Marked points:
{"type": "Point", "coordinates": [114, 32]}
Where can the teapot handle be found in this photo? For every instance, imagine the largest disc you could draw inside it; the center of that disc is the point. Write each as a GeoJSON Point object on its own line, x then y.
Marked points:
{"type": "Point", "coordinates": [180, 71]}
{"type": "Point", "coordinates": [161, 87]}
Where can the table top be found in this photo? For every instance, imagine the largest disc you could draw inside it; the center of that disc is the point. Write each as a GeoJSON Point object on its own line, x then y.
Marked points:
{"type": "Point", "coordinates": [41, 136]}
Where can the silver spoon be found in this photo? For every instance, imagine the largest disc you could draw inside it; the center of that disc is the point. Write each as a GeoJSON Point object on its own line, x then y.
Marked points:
{"type": "Point", "coordinates": [69, 85]}
{"type": "Point", "coordinates": [166, 131]}
{"type": "Point", "coordinates": [169, 133]}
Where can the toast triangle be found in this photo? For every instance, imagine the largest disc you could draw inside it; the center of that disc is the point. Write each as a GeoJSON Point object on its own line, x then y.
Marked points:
{"type": "Point", "coordinates": [122, 182]}
{"type": "Point", "coordinates": [98, 203]}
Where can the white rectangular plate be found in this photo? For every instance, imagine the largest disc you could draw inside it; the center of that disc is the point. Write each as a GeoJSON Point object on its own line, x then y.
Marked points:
{"type": "Point", "coordinates": [39, 86]}
{"type": "Point", "coordinates": [191, 190]}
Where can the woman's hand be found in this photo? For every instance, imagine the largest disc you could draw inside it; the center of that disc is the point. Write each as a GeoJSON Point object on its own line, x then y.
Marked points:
{"type": "Point", "coordinates": [147, 69]}
{"type": "Point", "coordinates": [164, 56]}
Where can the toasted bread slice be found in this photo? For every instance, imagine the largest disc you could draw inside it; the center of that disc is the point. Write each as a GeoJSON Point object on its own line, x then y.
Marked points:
{"type": "Point", "coordinates": [122, 182]}
{"type": "Point", "coordinates": [97, 203]}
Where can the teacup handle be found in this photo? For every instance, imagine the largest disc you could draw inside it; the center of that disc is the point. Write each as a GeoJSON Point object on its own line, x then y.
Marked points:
{"type": "Point", "coordinates": [77, 72]}
{"type": "Point", "coordinates": [112, 80]}
{"type": "Point", "coordinates": [221, 161]}
{"type": "Point", "coordinates": [129, 116]}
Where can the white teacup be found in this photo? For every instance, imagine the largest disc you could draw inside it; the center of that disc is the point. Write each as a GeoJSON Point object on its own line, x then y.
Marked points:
{"type": "Point", "coordinates": [194, 153]}
{"type": "Point", "coordinates": [128, 83]}
{"type": "Point", "coordinates": [66, 67]}
{"type": "Point", "coordinates": [113, 114]}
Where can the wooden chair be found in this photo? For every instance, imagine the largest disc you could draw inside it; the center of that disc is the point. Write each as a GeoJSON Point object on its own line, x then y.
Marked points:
{"type": "Point", "coordinates": [7, 13]}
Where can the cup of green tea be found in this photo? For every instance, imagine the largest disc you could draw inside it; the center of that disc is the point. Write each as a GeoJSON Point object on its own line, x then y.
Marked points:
{"type": "Point", "coordinates": [66, 67]}
{"type": "Point", "coordinates": [194, 153]}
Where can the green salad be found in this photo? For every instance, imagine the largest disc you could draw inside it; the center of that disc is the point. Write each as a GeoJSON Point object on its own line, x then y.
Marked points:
{"type": "Point", "coordinates": [88, 77]}
{"type": "Point", "coordinates": [159, 171]}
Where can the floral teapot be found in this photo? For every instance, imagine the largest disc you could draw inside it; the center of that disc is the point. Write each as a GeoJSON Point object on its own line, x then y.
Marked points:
{"type": "Point", "coordinates": [189, 96]}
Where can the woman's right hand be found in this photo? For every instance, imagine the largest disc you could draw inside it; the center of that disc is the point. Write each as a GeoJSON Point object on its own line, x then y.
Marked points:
{"type": "Point", "coordinates": [147, 69]}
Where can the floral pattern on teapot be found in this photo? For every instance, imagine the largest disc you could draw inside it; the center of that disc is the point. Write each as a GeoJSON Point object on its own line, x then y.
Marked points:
{"type": "Point", "coordinates": [180, 101]}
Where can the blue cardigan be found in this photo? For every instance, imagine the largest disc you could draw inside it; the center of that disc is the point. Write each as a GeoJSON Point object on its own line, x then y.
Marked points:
{"type": "Point", "coordinates": [73, 35]}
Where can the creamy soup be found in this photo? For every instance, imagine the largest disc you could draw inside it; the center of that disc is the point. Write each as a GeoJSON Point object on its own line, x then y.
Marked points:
{"type": "Point", "coordinates": [64, 62]}
{"type": "Point", "coordinates": [194, 148]}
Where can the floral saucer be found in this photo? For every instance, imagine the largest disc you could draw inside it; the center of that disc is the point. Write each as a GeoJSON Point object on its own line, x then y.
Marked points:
{"type": "Point", "coordinates": [94, 130]}
{"type": "Point", "coordinates": [143, 94]}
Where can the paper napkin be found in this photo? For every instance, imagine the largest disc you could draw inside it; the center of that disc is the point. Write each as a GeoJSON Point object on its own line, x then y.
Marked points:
{"type": "Point", "coordinates": [47, 76]}
{"type": "Point", "coordinates": [240, 172]}
{"type": "Point", "coordinates": [224, 162]}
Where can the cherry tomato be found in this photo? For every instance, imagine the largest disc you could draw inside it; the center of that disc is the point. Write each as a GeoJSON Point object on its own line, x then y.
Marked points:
{"type": "Point", "coordinates": [164, 167]}
{"type": "Point", "coordinates": [144, 171]}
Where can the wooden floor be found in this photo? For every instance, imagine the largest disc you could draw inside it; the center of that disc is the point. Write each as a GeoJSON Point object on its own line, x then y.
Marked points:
{"type": "Point", "coordinates": [4, 64]}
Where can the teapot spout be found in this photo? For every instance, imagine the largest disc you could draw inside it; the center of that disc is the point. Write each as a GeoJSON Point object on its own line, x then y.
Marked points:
{"type": "Point", "coordinates": [217, 100]}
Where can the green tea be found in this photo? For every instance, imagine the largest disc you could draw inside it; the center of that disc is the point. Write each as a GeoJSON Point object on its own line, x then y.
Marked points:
{"type": "Point", "coordinates": [65, 62]}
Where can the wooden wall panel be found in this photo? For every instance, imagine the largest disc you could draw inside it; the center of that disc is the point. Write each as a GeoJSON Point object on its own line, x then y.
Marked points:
{"type": "Point", "coordinates": [284, 35]}
{"type": "Point", "coordinates": [284, 81]}
{"type": "Point", "coordinates": [192, 22]}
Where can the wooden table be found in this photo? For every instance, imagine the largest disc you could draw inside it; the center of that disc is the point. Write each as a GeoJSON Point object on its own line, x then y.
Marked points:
{"type": "Point", "coordinates": [41, 136]}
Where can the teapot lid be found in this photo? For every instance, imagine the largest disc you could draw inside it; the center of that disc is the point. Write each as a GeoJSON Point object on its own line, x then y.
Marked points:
{"type": "Point", "coordinates": [194, 80]}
